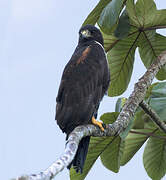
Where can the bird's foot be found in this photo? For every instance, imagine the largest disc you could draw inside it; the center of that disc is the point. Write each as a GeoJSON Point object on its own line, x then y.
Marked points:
{"type": "Point", "coordinates": [97, 123]}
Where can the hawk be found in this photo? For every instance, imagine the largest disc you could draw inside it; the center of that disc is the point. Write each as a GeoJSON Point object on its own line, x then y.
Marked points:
{"type": "Point", "coordinates": [84, 82]}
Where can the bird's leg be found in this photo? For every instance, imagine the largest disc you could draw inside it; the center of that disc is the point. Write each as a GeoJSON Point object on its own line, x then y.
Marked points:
{"type": "Point", "coordinates": [95, 122]}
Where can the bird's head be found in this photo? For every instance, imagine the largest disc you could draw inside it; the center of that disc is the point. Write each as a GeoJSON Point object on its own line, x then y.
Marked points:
{"type": "Point", "coordinates": [90, 33]}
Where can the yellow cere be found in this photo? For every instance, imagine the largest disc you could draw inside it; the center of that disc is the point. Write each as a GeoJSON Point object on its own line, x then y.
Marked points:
{"type": "Point", "coordinates": [86, 33]}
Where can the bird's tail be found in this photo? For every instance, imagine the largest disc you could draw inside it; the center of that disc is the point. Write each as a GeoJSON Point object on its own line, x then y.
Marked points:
{"type": "Point", "coordinates": [79, 159]}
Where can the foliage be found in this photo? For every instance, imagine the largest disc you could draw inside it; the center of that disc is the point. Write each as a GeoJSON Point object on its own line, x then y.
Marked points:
{"type": "Point", "coordinates": [135, 28]}
{"type": "Point", "coordinates": [99, 146]}
{"type": "Point", "coordinates": [154, 157]}
{"type": "Point", "coordinates": [126, 26]}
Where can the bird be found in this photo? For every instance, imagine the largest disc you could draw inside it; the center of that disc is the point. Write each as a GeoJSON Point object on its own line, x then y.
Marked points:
{"type": "Point", "coordinates": [85, 80]}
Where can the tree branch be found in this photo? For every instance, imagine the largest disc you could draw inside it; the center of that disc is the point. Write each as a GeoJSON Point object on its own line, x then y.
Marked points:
{"type": "Point", "coordinates": [111, 129]}
{"type": "Point", "coordinates": [153, 115]}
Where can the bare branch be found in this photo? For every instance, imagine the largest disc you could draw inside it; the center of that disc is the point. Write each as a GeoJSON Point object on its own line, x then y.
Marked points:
{"type": "Point", "coordinates": [153, 115]}
{"type": "Point", "coordinates": [112, 129]}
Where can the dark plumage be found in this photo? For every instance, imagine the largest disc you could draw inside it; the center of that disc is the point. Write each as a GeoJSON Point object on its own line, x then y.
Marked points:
{"type": "Point", "coordinates": [84, 82]}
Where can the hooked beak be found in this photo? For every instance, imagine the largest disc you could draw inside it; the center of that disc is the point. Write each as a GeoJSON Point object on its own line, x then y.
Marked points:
{"type": "Point", "coordinates": [86, 34]}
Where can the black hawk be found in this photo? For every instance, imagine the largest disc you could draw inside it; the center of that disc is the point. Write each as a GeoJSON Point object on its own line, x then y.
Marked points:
{"type": "Point", "coordinates": [84, 82]}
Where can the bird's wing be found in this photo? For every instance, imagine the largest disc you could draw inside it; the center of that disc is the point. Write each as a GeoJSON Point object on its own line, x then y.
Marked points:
{"type": "Point", "coordinates": [82, 87]}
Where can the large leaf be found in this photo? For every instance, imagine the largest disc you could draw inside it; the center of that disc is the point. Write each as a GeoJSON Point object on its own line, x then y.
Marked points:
{"type": "Point", "coordinates": [158, 100]}
{"type": "Point", "coordinates": [140, 13]}
{"type": "Point", "coordinates": [142, 120]}
{"type": "Point", "coordinates": [149, 48]}
{"type": "Point", "coordinates": [139, 119]}
{"type": "Point", "coordinates": [96, 147]}
{"type": "Point", "coordinates": [145, 15]}
{"type": "Point", "coordinates": [112, 155]}
{"type": "Point", "coordinates": [110, 15]}
{"type": "Point", "coordinates": [95, 13]}
{"type": "Point", "coordinates": [121, 60]}
{"type": "Point", "coordinates": [123, 27]}
{"type": "Point", "coordinates": [154, 157]}
{"type": "Point", "coordinates": [109, 41]}
{"type": "Point", "coordinates": [149, 90]}
{"type": "Point", "coordinates": [159, 106]}
{"type": "Point", "coordinates": [147, 19]}
{"type": "Point", "coordinates": [133, 143]}
{"type": "Point", "coordinates": [130, 7]}
{"type": "Point", "coordinates": [109, 118]}
{"type": "Point", "coordinates": [159, 90]}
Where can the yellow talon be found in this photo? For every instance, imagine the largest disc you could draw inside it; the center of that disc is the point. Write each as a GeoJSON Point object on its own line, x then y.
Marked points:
{"type": "Point", "coordinates": [95, 122]}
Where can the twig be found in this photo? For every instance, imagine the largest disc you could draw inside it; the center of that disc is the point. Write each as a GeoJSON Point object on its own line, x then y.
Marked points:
{"type": "Point", "coordinates": [111, 129]}
{"type": "Point", "coordinates": [154, 116]}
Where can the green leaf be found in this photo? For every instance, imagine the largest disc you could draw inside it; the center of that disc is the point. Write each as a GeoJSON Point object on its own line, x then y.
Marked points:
{"type": "Point", "coordinates": [95, 13]}
{"type": "Point", "coordinates": [96, 147]}
{"type": "Point", "coordinates": [144, 14]}
{"type": "Point", "coordinates": [121, 60]}
{"type": "Point", "coordinates": [149, 90]}
{"type": "Point", "coordinates": [119, 104]}
{"type": "Point", "coordinates": [149, 123]}
{"type": "Point", "coordinates": [139, 119]}
{"type": "Point", "coordinates": [112, 155]}
{"type": "Point", "coordinates": [109, 41]}
{"type": "Point", "coordinates": [110, 15]}
{"type": "Point", "coordinates": [130, 7]}
{"type": "Point", "coordinates": [149, 48]}
{"type": "Point", "coordinates": [157, 99]}
{"type": "Point", "coordinates": [159, 106]}
{"type": "Point", "coordinates": [154, 157]}
{"type": "Point", "coordinates": [133, 143]}
{"type": "Point", "coordinates": [147, 19]}
{"type": "Point", "coordinates": [159, 90]}
{"type": "Point", "coordinates": [140, 13]}
{"type": "Point", "coordinates": [123, 27]}
{"type": "Point", "coordinates": [143, 34]}
{"type": "Point", "coordinates": [109, 118]}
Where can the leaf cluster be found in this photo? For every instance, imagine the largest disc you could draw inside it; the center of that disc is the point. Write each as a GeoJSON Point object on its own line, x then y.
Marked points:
{"type": "Point", "coordinates": [126, 26]}
{"type": "Point", "coordinates": [117, 151]}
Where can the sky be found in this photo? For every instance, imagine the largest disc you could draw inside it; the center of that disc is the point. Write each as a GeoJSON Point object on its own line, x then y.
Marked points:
{"type": "Point", "coordinates": [37, 38]}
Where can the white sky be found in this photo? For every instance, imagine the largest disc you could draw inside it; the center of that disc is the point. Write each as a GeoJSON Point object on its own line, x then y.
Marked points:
{"type": "Point", "coordinates": [37, 38]}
